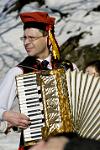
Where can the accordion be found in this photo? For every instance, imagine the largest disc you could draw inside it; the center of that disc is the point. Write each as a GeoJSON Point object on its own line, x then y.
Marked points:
{"type": "Point", "coordinates": [59, 101]}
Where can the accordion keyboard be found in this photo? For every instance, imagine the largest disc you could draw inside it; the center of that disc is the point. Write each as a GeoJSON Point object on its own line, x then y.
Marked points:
{"type": "Point", "coordinates": [30, 101]}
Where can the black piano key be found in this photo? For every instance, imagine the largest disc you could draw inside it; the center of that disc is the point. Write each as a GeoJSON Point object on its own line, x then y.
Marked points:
{"type": "Point", "coordinates": [35, 132]}
{"type": "Point", "coordinates": [34, 137]}
{"type": "Point", "coordinates": [34, 111]}
{"type": "Point", "coordinates": [33, 105]}
{"type": "Point", "coordinates": [37, 126]}
{"type": "Point", "coordinates": [30, 139]}
{"type": "Point", "coordinates": [34, 123]}
{"type": "Point", "coordinates": [35, 119]}
{"type": "Point", "coordinates": [33, 98]}
{"type": "Point", "coordinates": [40, 120]}
{"type": "Point", "coordinates": [31, 89]}
{"type": "Point", "coordinates": [26, 81]}
{"type": "Point", "coordinates": [30, 84]}
{"type": "Point", "coordinates": [30, 102]}
{"type": "Point", "coordinates": [29, 77]}
{"type": "Point", "coordinates": [31, 93]}
{"type": "Point", "coordinates": [39, 91]}
{"type": "Point", "coordinates": [40, 99]}
{"type": "Point", "coordinates": [23, 84]}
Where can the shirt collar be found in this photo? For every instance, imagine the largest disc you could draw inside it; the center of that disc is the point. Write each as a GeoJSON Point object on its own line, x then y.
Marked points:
{"type": "Point", "coordinates": [48, 59]}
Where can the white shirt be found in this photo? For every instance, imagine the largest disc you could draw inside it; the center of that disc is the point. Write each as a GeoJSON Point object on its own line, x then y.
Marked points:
{"type": "Point", "coordinates": [8, 90]}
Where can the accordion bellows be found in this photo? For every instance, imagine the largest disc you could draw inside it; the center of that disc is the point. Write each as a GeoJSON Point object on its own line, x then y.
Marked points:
{"type": "Point", "coordinates": [60, 101]}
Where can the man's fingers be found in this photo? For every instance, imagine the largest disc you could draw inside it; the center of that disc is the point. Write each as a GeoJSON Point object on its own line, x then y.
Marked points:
{"type": "Point", "coordinates": [23, 123]}
{"type": "Point", "coordinates": [25, 117]}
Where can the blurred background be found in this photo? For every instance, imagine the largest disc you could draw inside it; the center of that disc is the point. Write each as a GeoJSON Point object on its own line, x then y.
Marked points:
{"type": "Point", "coordinates": [77, 29]}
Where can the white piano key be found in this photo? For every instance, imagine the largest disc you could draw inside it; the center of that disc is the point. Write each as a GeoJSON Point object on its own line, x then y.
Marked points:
{"type": "Point", "coordinates": [27, 111]}
{"type": "Point", "coordinates": [23, 96]}
{"type": "Point", "coordinates": [22, 109]}
{"type": "Point", "coordinates": [32, 86]}
{"type": "Point", "coordinates": [32, 131]}
{"type": "Point", "coordinates": [31, 139]}
{"type": "Point", "coordinates": [29, 134]}
{"type": "Point", "coordinates": [33, 113]}
{"type": "Point", "coordinates": [36, 121]}
{"type": "Point", "coordinates": [29, 89]}
{"type": "Point", "coordinates": [31, 104]}
{"type": "Point", "coordinates": [23, 102]}
{"type": "Point", "coordinates": [37, 117]}
{"type": "Point", "coordinates": [25, 78]}
{"type": "Point", "coordinates": [26, 81]}
{"type": "Point", "coordinates": [37, 103]}
{"type": "Point", "coordinates": [35, 130]}
{"type": "Point", "coordinates": [37, 125]}
{"type": "Point", "coordinates": [32, 134]}
{"type": "Point", "coordinates": [29, 98]}
{"type": "Point", "coordinates": [21, 87]}
{"type": "Point", "coordinates": [40, 121]}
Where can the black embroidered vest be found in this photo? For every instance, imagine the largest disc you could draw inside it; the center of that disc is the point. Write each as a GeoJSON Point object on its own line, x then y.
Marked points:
{"type": "Point", "coordinates": [30, 64]}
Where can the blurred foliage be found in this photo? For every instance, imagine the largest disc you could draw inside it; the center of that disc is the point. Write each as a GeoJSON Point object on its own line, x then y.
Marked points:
{"type": "Point", "coordinates": [71, 51]}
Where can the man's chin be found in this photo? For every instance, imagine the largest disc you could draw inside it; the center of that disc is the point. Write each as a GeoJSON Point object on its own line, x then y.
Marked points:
{"type": "Point", "coordinates": [33, 55]}
{"type": "Point", "coordinates": [29, 54]}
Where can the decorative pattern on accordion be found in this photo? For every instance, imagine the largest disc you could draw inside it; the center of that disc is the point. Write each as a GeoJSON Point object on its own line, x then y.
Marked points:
{"type": "Point", "coordinates": [56, 104]}
{"type": "Point", "coordinates": [58, 101]}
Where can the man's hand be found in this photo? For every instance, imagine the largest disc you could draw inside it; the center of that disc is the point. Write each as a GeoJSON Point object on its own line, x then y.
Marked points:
{"type": "Point", "coordinates": [16, 119]}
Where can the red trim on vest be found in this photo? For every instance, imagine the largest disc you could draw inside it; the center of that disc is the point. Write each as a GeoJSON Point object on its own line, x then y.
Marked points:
{"type": "Point", "coordinates": [21, 148]}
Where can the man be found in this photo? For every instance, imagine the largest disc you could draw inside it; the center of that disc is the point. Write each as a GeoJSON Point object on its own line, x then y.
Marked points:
{"type": "Point", "coordinates": [56, 142]}
{"type": "Point", "coordinates": [43, 54]}
{"type": "Point", "coordinates": [66, 143]}
{"type": "Point", "coordinates": [93, 67]}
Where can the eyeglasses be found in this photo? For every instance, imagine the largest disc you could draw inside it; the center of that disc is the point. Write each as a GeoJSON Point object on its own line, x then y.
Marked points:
{"type": "Point", "coordinates": [30, 38]}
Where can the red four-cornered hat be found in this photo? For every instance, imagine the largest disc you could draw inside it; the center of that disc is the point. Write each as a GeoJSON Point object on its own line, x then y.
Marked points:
{"type": "Point", "coordinates": [38, 17]}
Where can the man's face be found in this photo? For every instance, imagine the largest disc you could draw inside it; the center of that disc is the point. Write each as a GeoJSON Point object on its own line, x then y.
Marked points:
{"type": "Point", "coordinates": [35, 43]}
{"type": "Point", "coordinates": [92, 70]}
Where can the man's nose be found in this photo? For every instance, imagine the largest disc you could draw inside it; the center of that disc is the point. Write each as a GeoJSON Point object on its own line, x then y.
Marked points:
{"type": "Point", "coordinates": [26, 41]}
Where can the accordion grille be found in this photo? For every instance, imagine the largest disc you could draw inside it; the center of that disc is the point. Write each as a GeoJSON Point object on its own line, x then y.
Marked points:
{"type": "Point", "coordinates": [84, 98]}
